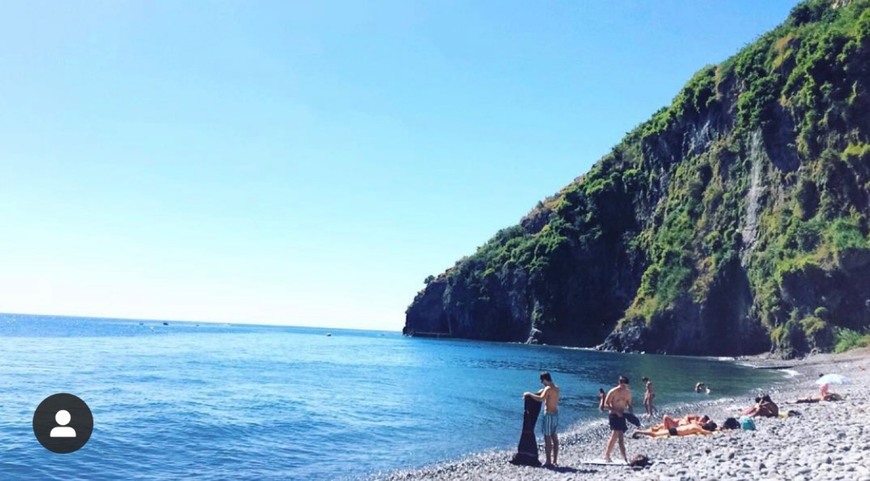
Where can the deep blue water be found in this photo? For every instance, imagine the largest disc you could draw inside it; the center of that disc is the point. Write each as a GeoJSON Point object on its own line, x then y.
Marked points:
{"type": "Point", "coordinates": [214, 401]}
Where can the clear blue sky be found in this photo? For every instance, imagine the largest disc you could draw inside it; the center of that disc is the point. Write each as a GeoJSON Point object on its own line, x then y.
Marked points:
{"type": "Point", "coordinates": [309, 163]}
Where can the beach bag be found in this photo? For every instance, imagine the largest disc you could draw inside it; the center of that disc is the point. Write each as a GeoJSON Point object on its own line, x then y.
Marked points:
{"type": "Point", "coordinates": [639, 461]}
{"type": "Point", "coordinates": [747, 423]}
{"type": "Point", "coordinates": [731, 423]}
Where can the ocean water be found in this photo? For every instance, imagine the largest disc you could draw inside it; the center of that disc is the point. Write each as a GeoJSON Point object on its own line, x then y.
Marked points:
{"type": "Point", "coordinates": [212, 401]}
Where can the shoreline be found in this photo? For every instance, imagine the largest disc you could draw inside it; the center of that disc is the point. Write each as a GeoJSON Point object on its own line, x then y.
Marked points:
{"type": "Point", "coordinates": [828, 440]}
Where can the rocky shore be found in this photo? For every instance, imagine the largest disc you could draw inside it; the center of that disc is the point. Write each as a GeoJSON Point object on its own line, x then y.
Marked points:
{"type": "Point", "coordinates": [827, 440]}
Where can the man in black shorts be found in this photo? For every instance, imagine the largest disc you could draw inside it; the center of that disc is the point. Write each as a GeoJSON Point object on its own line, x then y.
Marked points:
{"type": "Point", "coordinates": [618, 400]}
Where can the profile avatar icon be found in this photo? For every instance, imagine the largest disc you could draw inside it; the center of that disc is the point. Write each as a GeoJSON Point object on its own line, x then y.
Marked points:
{"type": "Point", "coordinates": [63, 431]}
{"type": "Point", "coordinates": [63, 423]}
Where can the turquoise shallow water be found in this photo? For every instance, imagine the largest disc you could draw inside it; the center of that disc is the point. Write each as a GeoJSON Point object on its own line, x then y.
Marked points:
{"type": "Point", "coordinates": [214, 401]}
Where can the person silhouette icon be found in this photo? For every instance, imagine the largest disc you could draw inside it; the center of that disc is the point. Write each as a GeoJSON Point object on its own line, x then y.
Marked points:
{"type": "Point", "coordinates": [62, 423]}
{"type": "Point", "coordinates": [63, 431]}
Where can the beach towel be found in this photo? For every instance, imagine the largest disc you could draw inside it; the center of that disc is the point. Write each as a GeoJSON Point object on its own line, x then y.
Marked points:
{"type": "Point", "coordinates": [602, 462]}
{"type": "Point", "coordinates": [527, 449]}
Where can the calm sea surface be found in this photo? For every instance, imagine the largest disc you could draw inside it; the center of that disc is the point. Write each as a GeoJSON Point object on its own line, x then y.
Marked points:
{"type": "Point", "coordinates": [213, 401]}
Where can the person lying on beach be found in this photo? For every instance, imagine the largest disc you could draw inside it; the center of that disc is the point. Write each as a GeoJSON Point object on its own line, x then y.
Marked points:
{"type": "Point", "coordinates": [685, 430]}
{"type": "Point", "coordinates": [826, 395]}
{"type": "Point", "coordinates": [764, 407]}
{"type": "Point", "coordinates": [831, 396]}
{"type": "Point", "coordinates": [669, 422]}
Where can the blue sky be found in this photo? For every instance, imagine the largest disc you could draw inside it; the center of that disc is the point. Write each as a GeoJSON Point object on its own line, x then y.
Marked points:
{"type": "Point", "coordinates": [309, 163]}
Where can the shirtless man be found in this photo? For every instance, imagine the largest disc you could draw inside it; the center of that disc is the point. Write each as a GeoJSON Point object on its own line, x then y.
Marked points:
{"type": "Point", "coordinates": [549, 395]}
{"type": "Point", "coordinates": [618, 401]}
{"type": "Point", "coordinates": [648, 397]}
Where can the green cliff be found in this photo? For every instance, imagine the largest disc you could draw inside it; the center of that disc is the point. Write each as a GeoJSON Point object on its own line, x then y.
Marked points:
{"type": "Point", "coordinates": [734, 221]}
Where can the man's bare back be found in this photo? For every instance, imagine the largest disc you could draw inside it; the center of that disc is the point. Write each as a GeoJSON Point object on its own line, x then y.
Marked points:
{"type": "Point", "coordinates": [551, 399]}
{"type": "Point", "coordinates": [549, 395]}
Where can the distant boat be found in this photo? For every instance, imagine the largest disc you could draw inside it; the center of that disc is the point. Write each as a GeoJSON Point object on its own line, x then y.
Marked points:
{"type": "Point", "coordinates": [328, 334]}
{"type": "Point", "coordinates": [165, 323]}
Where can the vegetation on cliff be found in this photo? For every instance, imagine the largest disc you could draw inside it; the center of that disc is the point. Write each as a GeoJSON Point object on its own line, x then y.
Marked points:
{"type": "Point", "coordinates": [733, 221]}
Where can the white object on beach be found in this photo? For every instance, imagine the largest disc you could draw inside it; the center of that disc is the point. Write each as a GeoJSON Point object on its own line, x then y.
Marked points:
{"type": "Point", "coordinates": [833, 379]}
{"type": "Point", "coordinates": [602, 462]}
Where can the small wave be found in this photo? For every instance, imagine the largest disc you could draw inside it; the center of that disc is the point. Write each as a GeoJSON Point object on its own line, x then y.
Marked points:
{"type": "Point", "coordinates": [789, 372]}
{"type": "Point", "coordinates": [577, 348]}
{"type": "Point", "coordinates": [747, 364]}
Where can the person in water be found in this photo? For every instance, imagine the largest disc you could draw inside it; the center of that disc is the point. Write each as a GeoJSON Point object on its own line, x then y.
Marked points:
{"type": "Point", "coordinates": [617, 401]}
{"type": "Point", "coordinates": [549, 395]}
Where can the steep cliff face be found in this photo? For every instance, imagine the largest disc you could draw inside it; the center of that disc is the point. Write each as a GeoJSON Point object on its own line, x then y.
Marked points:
{"type": "Point", "coordinates": [734, 221]}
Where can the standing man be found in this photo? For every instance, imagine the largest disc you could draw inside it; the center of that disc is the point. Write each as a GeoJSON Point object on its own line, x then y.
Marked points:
{"type": "Point", "coordinates": [618, 401]}
{"type": "Point", "coordinates": [648, 397]}
{"type": "Point", "coordinates": [549, 395]}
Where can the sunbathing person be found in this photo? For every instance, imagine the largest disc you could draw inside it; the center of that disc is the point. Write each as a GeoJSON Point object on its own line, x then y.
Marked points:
{"type": "Point", "coordinates": [672, 422]}
{"type": "Point", "coordinates": [828, 396]}
{"type": "Point", "coordinates": [765, 407]}
{"type": "Point", "coordinates": [751, 409]}
{"type": "Point", "coordinates": [685, 430]}
{"type": "Point", "coordinates": [669, 422]}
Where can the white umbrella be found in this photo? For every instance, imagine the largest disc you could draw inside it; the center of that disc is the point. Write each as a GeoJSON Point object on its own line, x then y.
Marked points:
{"type": "Point", "coordinates": [833, 379]}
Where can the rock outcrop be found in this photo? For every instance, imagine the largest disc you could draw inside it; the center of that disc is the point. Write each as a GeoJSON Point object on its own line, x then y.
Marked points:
{"type": "Point", "coordinates": [734, 221]}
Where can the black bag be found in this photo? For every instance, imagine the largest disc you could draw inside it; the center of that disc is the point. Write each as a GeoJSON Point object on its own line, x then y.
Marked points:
{"type": "Point", "coordinates": [527, 449]}
{"type": "Point", "coordinates": [731, 423]}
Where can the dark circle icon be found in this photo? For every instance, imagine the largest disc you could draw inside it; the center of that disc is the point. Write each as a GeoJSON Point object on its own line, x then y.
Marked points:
{"type": "Point", "coordinates": [63, 423]}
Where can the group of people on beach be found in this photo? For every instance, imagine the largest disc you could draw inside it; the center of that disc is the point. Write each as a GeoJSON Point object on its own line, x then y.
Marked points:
{"type": "Point", "coordinates": [618, 402]}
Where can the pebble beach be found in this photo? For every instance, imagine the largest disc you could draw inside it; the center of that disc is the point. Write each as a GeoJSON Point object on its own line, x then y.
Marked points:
{"type": "Point", "coordinates": [825, 440]}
